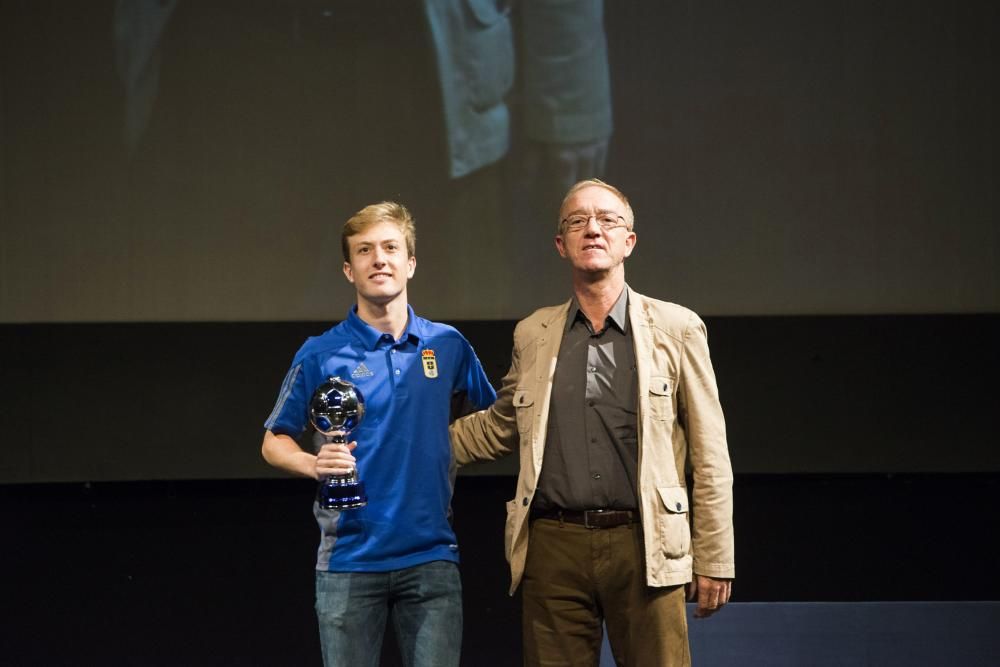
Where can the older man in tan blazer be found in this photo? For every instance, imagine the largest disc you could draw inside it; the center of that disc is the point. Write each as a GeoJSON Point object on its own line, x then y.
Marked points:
{"type": "Point", "coordinates": [612, 403]}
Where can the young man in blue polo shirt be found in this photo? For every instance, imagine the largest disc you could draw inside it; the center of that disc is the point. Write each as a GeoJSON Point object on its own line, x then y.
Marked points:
{"type": "Point", "coordinates": [397, 556]}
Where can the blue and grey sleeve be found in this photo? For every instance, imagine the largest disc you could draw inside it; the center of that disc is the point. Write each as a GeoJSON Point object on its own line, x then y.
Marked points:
{"type": "Point", "coordinates": [289, 416]}
{"type": "Point", "coordinates": [481, 394]}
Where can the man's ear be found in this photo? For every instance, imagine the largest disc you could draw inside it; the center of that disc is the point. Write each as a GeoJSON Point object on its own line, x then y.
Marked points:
{"type": "Point", "coordinates": [630, 242]}
{"type": "Point", "coordinates": [560, 246]}
{"type": "Point", "coordinates": [348, 273]}
{"type": "Point", "coordinates": [411, 262]}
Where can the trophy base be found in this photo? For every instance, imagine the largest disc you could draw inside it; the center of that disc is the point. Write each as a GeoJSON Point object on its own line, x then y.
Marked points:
{"type": "Point", "coordinates": [341, 493]}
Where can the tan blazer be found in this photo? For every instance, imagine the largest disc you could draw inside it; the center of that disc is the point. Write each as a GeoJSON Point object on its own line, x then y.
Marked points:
{"type": "Point", "coordinates": [680, 424]}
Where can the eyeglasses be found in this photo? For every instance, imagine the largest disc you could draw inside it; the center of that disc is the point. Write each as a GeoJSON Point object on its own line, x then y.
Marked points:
{"type": "Point", "coordinates": [575, 223]}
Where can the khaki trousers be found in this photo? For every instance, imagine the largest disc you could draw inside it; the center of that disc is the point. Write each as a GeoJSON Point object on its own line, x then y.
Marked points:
{"type": "Point", "coordinates": [575, 578]}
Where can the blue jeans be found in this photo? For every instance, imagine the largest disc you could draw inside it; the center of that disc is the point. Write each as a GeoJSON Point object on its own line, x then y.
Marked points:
{"type": "Point", "coordinates": [424, 603]}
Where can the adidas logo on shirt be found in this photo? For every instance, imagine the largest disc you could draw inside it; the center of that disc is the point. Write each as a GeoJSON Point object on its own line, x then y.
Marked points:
{"type": "Point", "coordinates": [361, 371]}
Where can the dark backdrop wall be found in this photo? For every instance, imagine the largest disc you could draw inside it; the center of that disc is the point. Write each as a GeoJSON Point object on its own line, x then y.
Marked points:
{"type": "Point", "coordinates": [816, 394]}
{"type": "Point", "coordinates": [173, 177]}
{"type": "Point", "coordinates": [817, 179]}
{"type": "Point", "coordinates": [219, 572]}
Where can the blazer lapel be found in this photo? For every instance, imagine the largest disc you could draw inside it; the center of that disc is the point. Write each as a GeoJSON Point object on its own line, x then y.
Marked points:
{"type": "Point", "coordinates": [642, 339]}
{"type": "Point", "coordinates": [545, 368]}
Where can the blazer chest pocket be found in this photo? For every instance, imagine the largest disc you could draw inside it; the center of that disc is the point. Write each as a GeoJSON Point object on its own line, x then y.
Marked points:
{"type": "Point", "coordinates": [524, 403]}
{"type": "Point", "coordinates": [661, 397]}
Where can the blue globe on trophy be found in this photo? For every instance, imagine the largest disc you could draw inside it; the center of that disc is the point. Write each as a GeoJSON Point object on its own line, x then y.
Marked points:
{"type": "Point", "coordinates": [335, 410]}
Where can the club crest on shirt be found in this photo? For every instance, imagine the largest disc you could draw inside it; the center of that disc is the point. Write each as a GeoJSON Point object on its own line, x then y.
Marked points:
{"type": "Point", "coordinates": [361, 372]}
{"type": "Point", "coordinates": [430, 363]}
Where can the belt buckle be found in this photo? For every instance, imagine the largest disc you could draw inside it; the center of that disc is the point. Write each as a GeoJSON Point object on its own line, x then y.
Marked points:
{"type": "Point", "coordinates": [586, 518]}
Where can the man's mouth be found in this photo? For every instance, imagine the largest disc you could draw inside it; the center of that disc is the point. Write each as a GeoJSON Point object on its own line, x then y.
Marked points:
{"type": "Point", "coordinates": [380, 275]}
{"type": "Point", "coordinates": [592, 247]}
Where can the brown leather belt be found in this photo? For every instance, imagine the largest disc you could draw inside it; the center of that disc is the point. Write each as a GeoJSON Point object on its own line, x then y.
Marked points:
{"type": "Point", "coordinates": [589, 518]}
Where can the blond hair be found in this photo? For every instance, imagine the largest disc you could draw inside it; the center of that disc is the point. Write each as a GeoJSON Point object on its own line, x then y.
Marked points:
{"type": "Point", "coordinates": [373, 214]}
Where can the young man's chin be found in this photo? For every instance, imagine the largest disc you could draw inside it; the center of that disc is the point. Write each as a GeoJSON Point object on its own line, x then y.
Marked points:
{"type": "Point", "coordinates": [380, 296]}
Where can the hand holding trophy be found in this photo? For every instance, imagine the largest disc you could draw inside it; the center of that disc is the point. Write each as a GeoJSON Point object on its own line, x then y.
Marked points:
{"type": "Point", "coordinates": [335, 410]}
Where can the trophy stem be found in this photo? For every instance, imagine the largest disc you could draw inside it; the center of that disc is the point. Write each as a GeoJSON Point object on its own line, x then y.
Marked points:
{"type": "Point", "coordinates": [341, 492]}
{"type": "Point", "coordinates": [349, 478]}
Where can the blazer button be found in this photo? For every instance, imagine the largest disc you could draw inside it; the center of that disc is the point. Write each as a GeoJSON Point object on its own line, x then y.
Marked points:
{"type": "Point", "coordinates": [525, 501]}
{"type": "Point", "coordinates": [678, 507]}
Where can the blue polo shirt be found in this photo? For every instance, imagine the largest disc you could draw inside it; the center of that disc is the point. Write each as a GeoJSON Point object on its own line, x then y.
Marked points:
{"type": "Point", "coordinates": [403, 453]}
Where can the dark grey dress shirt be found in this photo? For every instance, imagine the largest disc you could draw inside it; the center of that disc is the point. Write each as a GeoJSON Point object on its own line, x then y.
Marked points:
{"type": "Point", "coordinates": [591, 456]}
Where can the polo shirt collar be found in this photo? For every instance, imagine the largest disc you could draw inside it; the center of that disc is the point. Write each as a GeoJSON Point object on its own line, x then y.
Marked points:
{"type": "Point", "coordinates": [370, 337]}
{"type": "Point", "coordinates": [618, 314]}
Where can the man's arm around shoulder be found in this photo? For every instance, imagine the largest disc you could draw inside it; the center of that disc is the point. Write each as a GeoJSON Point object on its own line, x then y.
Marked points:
{"type": "Point", "coordinates": [491, 433]}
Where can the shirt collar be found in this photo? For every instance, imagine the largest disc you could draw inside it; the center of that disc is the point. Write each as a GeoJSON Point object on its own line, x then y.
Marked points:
{"type": "Point", "coordinates": [618, 314]}
{"type": "Point", "coordinates": [370, 337]}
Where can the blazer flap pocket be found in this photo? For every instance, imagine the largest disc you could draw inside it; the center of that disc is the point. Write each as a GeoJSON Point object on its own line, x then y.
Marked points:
{"type": "Point", "coordinates": [675, 498]}
{"type": "Point", "coordinates": [661, 385]}
{"type": "Point", "coordinates": [523, 398]}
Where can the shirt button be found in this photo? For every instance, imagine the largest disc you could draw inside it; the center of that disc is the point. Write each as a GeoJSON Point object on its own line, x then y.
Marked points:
{"type": "Point", "coordinates": [593, 369]}
{"type": "Point", "coordinates": [525, 501]}
{"type": "Point", "coordinates": [597, 475]}
{"type": "Point", "coordinates": [397, 371]}
{"type": "Point", "coordinates": [679, 507]}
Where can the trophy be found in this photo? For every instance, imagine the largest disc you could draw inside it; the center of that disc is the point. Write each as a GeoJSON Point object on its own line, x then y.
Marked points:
{"type": "Point", "coordinates": [335, 409]}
